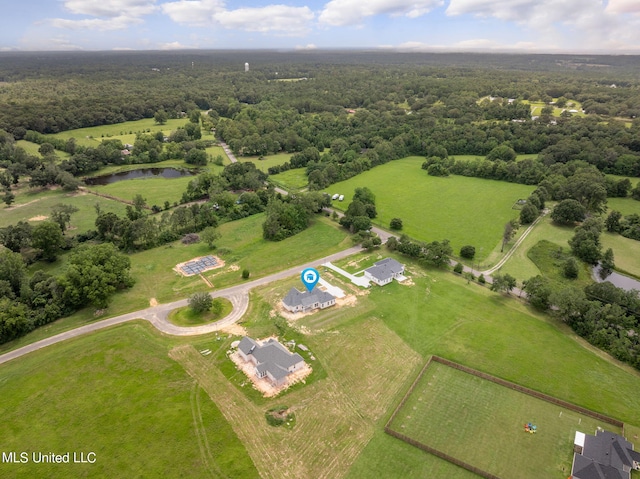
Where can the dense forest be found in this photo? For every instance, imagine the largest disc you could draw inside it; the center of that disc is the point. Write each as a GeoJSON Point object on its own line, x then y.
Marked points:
{"type": "Point", "coordinates": [338, 113]}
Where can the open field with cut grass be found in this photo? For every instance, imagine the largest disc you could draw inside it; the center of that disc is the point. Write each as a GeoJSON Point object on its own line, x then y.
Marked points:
{"type": "Point", "coordinates": [126, 132]}
{"type": "Point", "coordinates": [468, 324]}
{"type": "Point", "coordinates": [294, 179]}
{"type": "Point", "coordinates": [522, 267]}
{"type": "Point", "coordinates": [370, 352]}
{"type": "Point", "coordinates": [122, 398]}
{"type": "Point", "coordinates": [32, 149]}
{"type": "Point", "coordinates": [187, 317]}
{"type": "Point", "coordinates": [34, 204]}
{"type": "Point", "coordinates": [267, 161]}
{"type": "Point", "coordinates": [626, 206]}
{"type": "Point", "coordinates": [155, 190]}
{"type": "Point", "coordinates": [481, 423]}
{"type": "Point", "coordinates": [335, 415]}
{"type": "Point", "coordinates": [626, 252]}
{"type": "Point", "coordinates": [462, 210]}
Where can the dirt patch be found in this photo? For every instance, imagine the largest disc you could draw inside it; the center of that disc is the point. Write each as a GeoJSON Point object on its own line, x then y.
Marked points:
{"type": "Point", "coordinates": [219, 264]}
{"type": "Point", "coordinates": [235, 330]}
{"type": "Point", "coordinates": [153, 302]}
{"type": "Point", "coordinates": [8, 208]}
{"type": "Point", "coordinates": [349, 300]}
{"type": "Point", "coordinates": [263, 384]}
{"type": "Point", "coordinates": [233, 267]}
{"type": "Point", "coordinates": [38, 218]}
{"type": "Point", "coordinates": [408, 282]}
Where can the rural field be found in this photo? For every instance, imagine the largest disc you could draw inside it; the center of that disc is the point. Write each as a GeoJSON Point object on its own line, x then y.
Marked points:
{"type": "Point", "coordinates": [115, 393]}
{"type": "Point", "coordinates": [34, 205]}
{"type": "Point", "coordinates": [463, 210]}
{"type": "Point", "coordinates": [240, 246]}
{"type": "Point", "coordinates": [126, 131]}
{"type": "Point", "coordinates": [293, 179]}
{"type": "Point", "coordinates": [370, 352]}
{"type": "Point", "coordinates": [267, 161]}
{"type": "Point", "coordinates": [482, 423]}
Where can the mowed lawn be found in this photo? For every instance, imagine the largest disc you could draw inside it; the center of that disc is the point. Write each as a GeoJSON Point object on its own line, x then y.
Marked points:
{"type": "Point", "coordinates": [441, 314]}
{"type": "Point", "coordinates": [125, 132]}
{"type": "Point", "coordinates": [463, 210]}
{"type": "Point", "coordinates": [482, 423]}
{"type": "Point", "coordinates": [267, 161]}
{"type": "Point", "coordinates": [115, 393]}
{"type": "Point", "coordinates": [155, 190]}
{"type": "Point", "coordinates": [32, 206]}
{"type": "Point", "coordinates": [291, 179]}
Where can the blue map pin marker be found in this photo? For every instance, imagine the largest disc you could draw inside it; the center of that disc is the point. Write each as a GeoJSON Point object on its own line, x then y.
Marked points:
{"type": "Point", "coordinates": [310, 278]}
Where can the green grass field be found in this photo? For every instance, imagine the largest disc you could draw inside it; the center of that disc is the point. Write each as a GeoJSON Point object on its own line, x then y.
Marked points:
{"type": "Point", "coordinates": [294, 179]}
{"type": "Point", "coordinates": [155, 190]}
{"type": "Point", "coordinates": [240, 246]}
{"type": "Point", "coordinates": [370, 349]}
{"type": "Point", "coordinates": [482, 423]}
{"type": "Point", "coordinates": [30, 205]}
{"type": "Point", "coordinates": [32, 149]}
{"type": "Point", "coordinates": [126, 132]}
{"type": "Point", "coordinates": [122, 398]}
{"type": "Point", "coordinates": [462, 210]}
{"type": "Point", "coordinates": [268, 161]}
{"type": "Point", "coordinates": [187, 317]}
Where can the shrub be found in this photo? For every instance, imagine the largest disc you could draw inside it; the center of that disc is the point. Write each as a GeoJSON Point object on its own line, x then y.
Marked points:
{"type": "Point", "coordinates": [245, 274]}
{"type": "Point", "coordinates": [468, 251]}
{"type": "Point", "coordinates": [395, 224]}
{"type": "Point", "coordinates": [200, 302]}
{"type": "Point", "coordinates": [570, 269]}
{"type": "Point", "coordinates": [190, 238]}
{"type": "Point", "coordinates": [481, 279]}
{"type": "Point", "coordinates": [458, 268]}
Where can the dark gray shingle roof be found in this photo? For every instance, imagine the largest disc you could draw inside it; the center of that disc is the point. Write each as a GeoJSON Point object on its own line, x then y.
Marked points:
{"type": "Point", "coordinates": [272, 356]}
{"type": "Point", "coordinates": [307, 298]}
{"type": "Point", "coordinates": [385, 269]}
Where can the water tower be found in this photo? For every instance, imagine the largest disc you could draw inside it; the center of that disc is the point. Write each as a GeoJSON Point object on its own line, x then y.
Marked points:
{"type": "Point", "coordinates": [246, 67]}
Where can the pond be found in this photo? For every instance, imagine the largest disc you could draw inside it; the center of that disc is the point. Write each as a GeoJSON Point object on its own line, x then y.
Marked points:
{"type": "Point", "coordinates": [617, 279]}
{"type": "Point", "coordinates": [139, 173]}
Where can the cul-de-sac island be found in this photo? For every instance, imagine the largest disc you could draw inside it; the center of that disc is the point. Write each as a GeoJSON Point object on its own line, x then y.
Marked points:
{"type": "Point", "coordinates": [473, 221]}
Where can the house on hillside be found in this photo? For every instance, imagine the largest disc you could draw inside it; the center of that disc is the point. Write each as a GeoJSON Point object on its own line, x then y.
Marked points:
{"type": "Point", "coordinates": [271, 359]}
{"type": "Point", "coordinates": [298, 301]}
{"type": "Point", "coordinates": [603, 456]}
{"type": "Point", "coordinates": [385, 271]}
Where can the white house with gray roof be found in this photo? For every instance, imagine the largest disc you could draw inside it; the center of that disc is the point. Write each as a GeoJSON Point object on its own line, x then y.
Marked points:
{"type": "Point", "coordinates": [271, 359]}
{"type": "Point", "coordinates": [296, 301]}
{"type": "Point", "coordinates": [385, 271]}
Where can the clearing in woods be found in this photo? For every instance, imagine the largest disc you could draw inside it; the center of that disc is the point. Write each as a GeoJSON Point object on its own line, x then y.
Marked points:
{"type": "Point", "coordinates": [482, 423]}
{"type": "Point", "coordinates": [335, 417]}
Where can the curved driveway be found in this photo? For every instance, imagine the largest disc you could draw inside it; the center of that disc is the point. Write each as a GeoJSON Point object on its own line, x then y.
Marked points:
{"type": "Point", "coordinates": [157, 315]}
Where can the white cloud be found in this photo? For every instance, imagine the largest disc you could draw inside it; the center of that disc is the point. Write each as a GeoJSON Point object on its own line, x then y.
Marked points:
{"type": "Point", "coordinates": [107, 14]}
{"type": "Point", "coordinates": [531, 12]}
{"type": "Point", "coordinates": [477, 44]}
{"type": "Point", "coordinates": [623, 6]}
{"type": "Point", "coordinates": [174, 46]}
{"type": "Point", "coordinates": [193, 12]}
{"type": "Point", "coordinates": [111, 8]}
{"type": "Point", "coordinates": [271, 18]}
{"type": "Point", "coordinates": [352, 12]}
{"type": "Point", "coordinates": [278, 18]}
{"type": "Point", "coordinates": [308, 46]}
{"type": "Point", "coordinates": [99, 24]}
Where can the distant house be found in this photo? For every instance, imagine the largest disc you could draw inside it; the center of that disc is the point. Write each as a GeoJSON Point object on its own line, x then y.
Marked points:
{"type": "Point", "coordinates": [271, 359]}
{"type": "Point", "coordinates": [296, 301]}
{"type": "Point", "coordinates": [385, 271]}
{"type": "Point", "coordinates": [603, 456]}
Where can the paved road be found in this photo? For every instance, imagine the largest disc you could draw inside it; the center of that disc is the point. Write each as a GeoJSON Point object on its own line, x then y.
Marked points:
{"type": "Point", "coordinates": [157, 315]}
{"type": "Point", "coordinates": [229, 153]}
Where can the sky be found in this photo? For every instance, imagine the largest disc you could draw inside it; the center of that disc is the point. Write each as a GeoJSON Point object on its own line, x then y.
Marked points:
{"type": "Point", "coordinates": [555, 26]}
